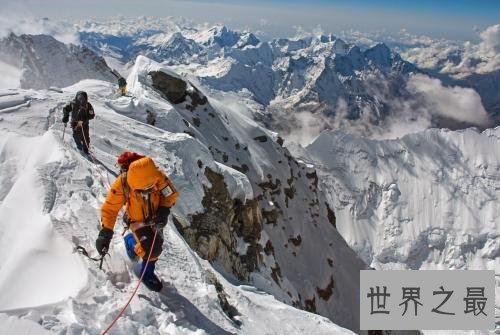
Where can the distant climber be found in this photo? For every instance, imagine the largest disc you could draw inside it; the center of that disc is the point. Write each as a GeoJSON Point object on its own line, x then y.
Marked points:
{"type": "Point", "coordinates": [81, 112]}
{"type": "Point", "coordinates": [147, 195]}
{"type": "Point", "coordinates": [122, 86]}
{"type": "Point", "coordinates": [122, 83]}
{"type": "Point", "coordinates": [150, 117]}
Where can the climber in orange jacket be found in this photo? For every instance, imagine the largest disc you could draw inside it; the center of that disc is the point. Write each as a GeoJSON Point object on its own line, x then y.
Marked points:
{"type": "Point", "coordinates": [147, 195]}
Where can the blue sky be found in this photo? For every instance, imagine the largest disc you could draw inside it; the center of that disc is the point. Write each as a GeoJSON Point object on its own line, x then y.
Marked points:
{"type": "Point", "coordinates": [439, 18]}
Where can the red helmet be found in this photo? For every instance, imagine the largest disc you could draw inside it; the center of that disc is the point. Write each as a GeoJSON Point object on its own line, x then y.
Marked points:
{"type": "Point", "coordinates": [126, 158]}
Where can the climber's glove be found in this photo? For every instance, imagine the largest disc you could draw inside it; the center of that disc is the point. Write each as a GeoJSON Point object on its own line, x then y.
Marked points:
{"type": "Point", "coordinates": [103, 240]}
{"type": "Point", "coordinates": [162, 216]}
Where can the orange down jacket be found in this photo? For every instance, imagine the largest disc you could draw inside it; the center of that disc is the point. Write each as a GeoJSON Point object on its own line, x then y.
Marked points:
{"type": "Point", "coordinates": [141, 174]}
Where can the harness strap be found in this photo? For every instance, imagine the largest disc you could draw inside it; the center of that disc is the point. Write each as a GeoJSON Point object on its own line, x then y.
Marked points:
{"type": "Point", "coordinates": [125, 187]}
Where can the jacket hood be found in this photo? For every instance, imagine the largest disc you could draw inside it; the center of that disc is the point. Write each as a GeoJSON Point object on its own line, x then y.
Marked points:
{"type": "Point", "coordinates": [142, 173]}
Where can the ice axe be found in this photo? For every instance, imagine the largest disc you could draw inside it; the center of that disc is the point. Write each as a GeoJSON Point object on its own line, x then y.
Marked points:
{"type": "Point", "coordinates": [64, 130]}
{"type": "Point", "coordinates": [81, 250]}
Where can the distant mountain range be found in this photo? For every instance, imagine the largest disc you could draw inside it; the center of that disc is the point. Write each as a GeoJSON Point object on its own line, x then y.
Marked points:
{"type": "Point", "coordinates": [338, 83]}
{"type": "Point", "coordinates": [322, 75]}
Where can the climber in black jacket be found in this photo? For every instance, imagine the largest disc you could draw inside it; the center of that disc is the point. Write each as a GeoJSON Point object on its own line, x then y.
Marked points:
{"type": "Point", "coordinates": [81, 112]}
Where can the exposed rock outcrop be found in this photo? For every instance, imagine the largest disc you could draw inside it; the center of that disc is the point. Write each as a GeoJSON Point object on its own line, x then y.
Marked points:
{"type": "Point", "coordinates": [225, 228]}
{"type": "Point", "coordinates": [176, 89]}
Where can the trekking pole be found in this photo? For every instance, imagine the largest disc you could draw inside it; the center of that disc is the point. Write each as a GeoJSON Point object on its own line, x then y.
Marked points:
{"type": "Point", "coordinates": [64, 131]}
{"type": "Point", "coordinates": [114, 73]}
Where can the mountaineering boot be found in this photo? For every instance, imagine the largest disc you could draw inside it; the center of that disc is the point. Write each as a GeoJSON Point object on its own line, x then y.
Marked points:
{"type": "Point", "coordinates": [151, 281]}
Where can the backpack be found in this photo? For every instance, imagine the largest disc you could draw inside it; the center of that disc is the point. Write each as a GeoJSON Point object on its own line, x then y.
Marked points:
{"type": "Point", "coordinates": [146, 200]}
{"type": "Point", "coordinates": [124, 160]}
{"type": "Point", "coordinates": [122, 82]}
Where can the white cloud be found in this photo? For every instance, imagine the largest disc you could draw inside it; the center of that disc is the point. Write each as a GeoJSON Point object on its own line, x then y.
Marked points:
{"type": "Point", "coordinates": [457, 58]}
{"type": "Point", "coordinates": [11, 76]}
{"type": "Point", "coordinates": [307, 127]}
{"type": "Point", "coordinates": [490, 40]}
{"type": "Point", "coordinates": [460, 59]}
{"type": "Point", "coordinates": [18, 19]}
{"type": "Point", "coordinates": [490, 49]}
{"type": "Point", "coordinates": [301, 32]}
{"type": "Point", "coordinates": [422, 103]}
{"type": "Point", "coordinates": [458, 103]}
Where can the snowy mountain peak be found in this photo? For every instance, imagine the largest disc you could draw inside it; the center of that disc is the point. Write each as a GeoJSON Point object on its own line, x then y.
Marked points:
{"type": "Point", "coordinates": [222, 36]}
{"type": "Point", "coordinates": [380, 54]}
{"type": "Point", "coordinates": [46, 62]}
{"type": "Point", "coordinates": [340, 47]}
{"type": "Point", "coordinates": [177, 47]}
{"type": "Point", "coordinates": [327, 38]}
{"type": "Point", "coordinates": [242, 245]}
{"type": "Point", "coordinates": [393, 180]}
{"type": "Point", "coordinates": [247, 38]}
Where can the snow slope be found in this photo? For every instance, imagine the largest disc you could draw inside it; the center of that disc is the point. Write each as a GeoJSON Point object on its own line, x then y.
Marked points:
{"type": "Point", "coordinates": [430, 197]}
{"type": "Point", "coordinates": [50, 201]}
{"type": "Point", "coordinates": [284, 242]}
{"type": "Point", "coordinates": [28, 237]}
{"type": "Point", "coordinates": [427, 201]}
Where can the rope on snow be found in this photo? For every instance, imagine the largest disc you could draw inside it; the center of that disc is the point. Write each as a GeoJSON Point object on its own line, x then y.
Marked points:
{"type": "Point", "coordinates": [136, 288]}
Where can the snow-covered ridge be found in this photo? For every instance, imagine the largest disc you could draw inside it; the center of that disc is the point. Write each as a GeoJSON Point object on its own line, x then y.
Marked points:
{"type": "Point", "coordinates": [284, 190]}
{"type": "Point", "coordinates": [474, 64]}
{"type": "Point", "coordinates": [66, 196]}
{"type": "Point", "coordinates": [180, 45]}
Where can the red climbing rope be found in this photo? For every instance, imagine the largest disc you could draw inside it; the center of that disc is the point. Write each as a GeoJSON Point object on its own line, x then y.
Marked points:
{"type": "Point", "coordinates": [136, 288]}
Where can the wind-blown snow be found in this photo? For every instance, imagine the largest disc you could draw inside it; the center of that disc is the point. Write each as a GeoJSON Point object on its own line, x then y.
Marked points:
{"type": "Point", "coordinates": [16, 19]}
{"type": "Point", "coordinates": [30, 248]}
